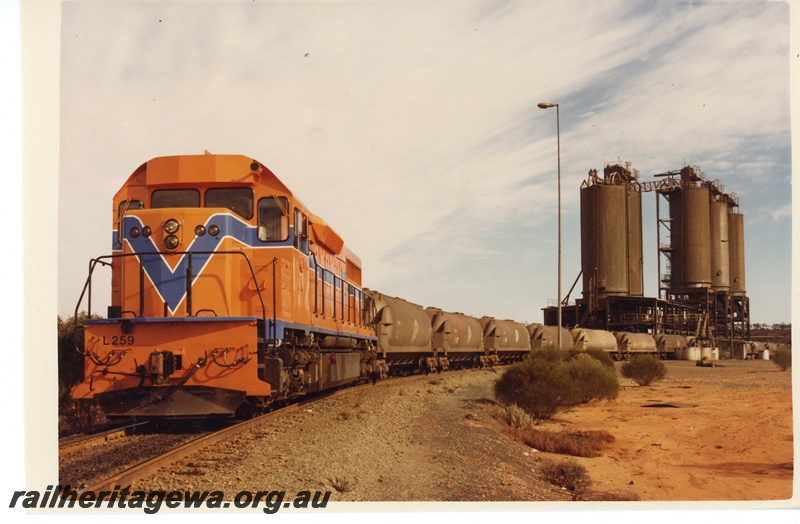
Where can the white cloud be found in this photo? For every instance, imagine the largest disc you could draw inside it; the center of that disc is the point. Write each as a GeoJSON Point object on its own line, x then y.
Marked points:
{"type": "Point", "coordinates": [781, 213]}
{"type": "Point", "coordinates": [421, 114]}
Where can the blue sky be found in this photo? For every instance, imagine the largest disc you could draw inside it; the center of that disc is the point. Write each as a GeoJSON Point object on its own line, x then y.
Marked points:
{"type": "Point", "coordinates": [412, 127]}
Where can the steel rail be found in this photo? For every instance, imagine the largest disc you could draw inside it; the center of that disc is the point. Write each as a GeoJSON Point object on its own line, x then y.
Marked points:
{"type": "Point", "coordinates": [105, 436]}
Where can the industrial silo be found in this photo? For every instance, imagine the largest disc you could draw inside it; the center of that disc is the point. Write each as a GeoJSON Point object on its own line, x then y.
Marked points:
{"type": "Point", "coordinates": [690, 238]}
{"type": "Point", "coordinates": [736, 249]}
{"type": "Point", "coordinates": [611, 234]}
{"type": "Point", "coordinates": [720, 244]}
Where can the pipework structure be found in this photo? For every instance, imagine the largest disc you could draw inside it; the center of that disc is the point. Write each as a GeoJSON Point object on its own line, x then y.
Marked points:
{"type": "Point", "coordinates": [700, 259]}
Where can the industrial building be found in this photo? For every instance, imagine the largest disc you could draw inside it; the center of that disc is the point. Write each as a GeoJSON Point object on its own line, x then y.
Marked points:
{"type": "Point", "coordinates": [701, 262]}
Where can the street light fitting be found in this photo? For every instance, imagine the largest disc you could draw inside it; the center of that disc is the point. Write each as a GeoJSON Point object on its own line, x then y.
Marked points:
{"type": "Point", "coordinates": [547, 105]}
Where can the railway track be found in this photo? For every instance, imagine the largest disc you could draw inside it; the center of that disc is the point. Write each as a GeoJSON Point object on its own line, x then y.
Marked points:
{"type": "Point", "coordinates": [148, 466]}
{"type": "Point", "coordinates": [70, 444]}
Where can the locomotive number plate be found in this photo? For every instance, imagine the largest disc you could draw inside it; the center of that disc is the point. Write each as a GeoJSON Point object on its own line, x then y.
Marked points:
{"type": "Point", "coordinates": [118, 340]}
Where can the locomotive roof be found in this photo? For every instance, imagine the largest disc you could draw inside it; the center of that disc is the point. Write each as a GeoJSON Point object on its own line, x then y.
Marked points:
{"type": "Point", "coordinates": [205, 169]}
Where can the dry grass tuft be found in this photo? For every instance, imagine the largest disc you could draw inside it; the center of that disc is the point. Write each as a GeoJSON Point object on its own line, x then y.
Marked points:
{"type": "Point", "coordinates": [575, 443]}
{"type": "Point", "coordinates": [517, 418]}
{"type": "Point", "coordinates": [342, 485]}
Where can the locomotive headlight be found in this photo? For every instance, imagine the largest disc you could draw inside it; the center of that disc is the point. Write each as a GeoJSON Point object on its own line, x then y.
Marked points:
{"type": "Point", "coordinates": [171, 242]}
{"type": "Point", "coordinates": [134, 232]}
{"type": "Point", "coordinates": [213, 230]}
{"type": "Point", "coordinates": [200, 230]}
{"type": "Point", "coordinates": [171, 226]}
{"type": "Point", "coordinates": [146, 231]}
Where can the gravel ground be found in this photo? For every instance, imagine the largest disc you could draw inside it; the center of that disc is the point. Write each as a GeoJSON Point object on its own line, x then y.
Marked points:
{"type": "Point", "coordinates": [82, 467]}
{"type": "Point", "coordinates": [423, 438]}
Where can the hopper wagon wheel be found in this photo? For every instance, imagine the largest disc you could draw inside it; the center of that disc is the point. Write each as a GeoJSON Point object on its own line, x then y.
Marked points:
{"type": "Point", "coordinates": [422, 365]}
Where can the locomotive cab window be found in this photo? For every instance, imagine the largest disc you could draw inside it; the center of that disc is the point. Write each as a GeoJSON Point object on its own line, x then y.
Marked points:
{"type": "Point", "coordinates": [237, 199]}
{"type": "Point", "coordinates": [128, 205]}
{"type": "Point", "coordinates": [273, 219]}
{"type": "Point", "coordinates": [162, 198]}
{"type": "Point", "coordinates": [300, 231]}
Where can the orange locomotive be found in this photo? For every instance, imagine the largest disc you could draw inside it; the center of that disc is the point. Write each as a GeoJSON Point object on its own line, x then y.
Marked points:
{"type": "Point", "coordinates": [227, 295]}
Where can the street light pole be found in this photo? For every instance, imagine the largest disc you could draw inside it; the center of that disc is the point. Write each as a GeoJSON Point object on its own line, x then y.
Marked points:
{"type": "Point", "coordinates": [545, 105]}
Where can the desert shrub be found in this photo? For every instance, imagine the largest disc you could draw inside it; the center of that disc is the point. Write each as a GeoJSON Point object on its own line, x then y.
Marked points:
{"type": "Point", "coordinates": [782, 358]}
{"type": "Point", "coordinates": [568, 474]}
{"type": "Point", "coordinates": [596, 354]}
{"type": "Point", "coordinates": [644, 369]}
{"type": "Point", "coordinates": [550, 355]}
{"type": "Point", "coordinates": [539, 386]}
{"type": "Point", "coordinates": [556, 355]}
{"type": "Point", "coordinates": [601, 356]}
{"type": "Point", "coordinates": [593, 380]}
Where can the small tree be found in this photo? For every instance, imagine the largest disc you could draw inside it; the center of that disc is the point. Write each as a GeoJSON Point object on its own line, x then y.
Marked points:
{"type": "Point", "coordinates": [73, 413]}
{"type": "Point", "coordinates": [539, 386]}
{"type": "Point", "coordinates": [644, 369]}
{"type": "Point", "coordinates": [593, 379]}
{"type": "Point", "coordinates": [782, 358]}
